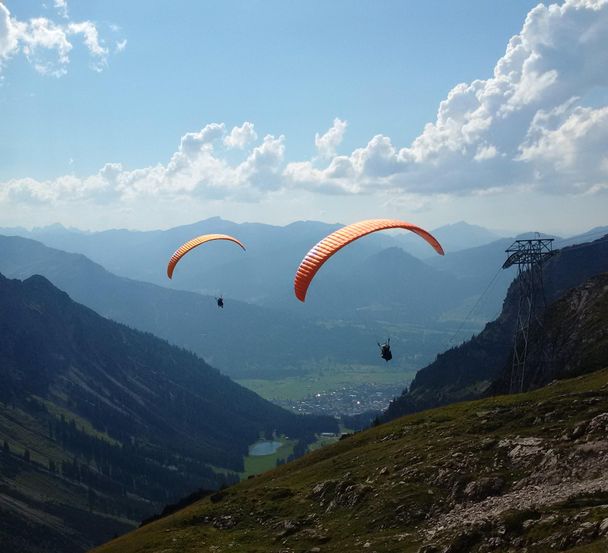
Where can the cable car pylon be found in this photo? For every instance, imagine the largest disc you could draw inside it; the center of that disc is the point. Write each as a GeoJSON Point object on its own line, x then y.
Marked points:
{"type": "Point", "coordinates": [529, 256]}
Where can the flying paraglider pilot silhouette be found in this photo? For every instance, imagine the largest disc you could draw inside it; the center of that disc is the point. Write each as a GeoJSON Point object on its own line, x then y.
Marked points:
{"type": "Point", "coordinates": [385, 350]}
{"type": "Point", "coordinates": [190, 245]}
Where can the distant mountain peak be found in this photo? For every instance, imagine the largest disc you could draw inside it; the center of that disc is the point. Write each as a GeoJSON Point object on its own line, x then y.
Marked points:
{"type": "Point", "coordinates": [461, 224]}
{"type": "Point", "coordinates": [532, 235]}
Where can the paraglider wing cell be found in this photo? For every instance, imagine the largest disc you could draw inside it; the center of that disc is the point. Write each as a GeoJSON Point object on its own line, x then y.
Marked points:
{"type": "Point", "coordinates": [327, 247]}
{"type": "Point", "coordinates": [185, 248]}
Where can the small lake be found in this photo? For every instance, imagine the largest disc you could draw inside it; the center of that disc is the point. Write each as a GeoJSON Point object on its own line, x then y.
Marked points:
{"type": "Point", "coordinates": [264, 448]}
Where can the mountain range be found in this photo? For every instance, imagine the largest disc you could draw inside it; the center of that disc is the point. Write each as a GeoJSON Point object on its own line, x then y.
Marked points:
{"type": "Point", "coordinates": [264, 274]}
{"type": "Point", "coordinates": [391, 286]}
{"type": "Point", "coordinates": [102, 424]}
{"type": "Point", "coordinates": [260, 275]}
{"type": "Point", "coordinates": [243, 340]}
{"type": "Point", "coordinates": [370, 290]}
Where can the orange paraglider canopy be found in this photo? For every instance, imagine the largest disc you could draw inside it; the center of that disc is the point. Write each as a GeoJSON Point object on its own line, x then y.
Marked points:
{"type": "Point", "coordinates": [185, 248]}
{"type": "Point", "coordinates": [327, 247]}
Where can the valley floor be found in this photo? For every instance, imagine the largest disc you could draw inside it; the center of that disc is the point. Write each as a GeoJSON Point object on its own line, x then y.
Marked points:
{"type": "Point", "coordinates": [336, 391]}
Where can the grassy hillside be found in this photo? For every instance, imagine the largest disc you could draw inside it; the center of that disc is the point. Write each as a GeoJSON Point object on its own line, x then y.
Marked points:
{"type": "Point", "coordinates": [510, 473]}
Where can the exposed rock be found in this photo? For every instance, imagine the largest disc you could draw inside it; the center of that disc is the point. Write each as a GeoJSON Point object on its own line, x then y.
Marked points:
{"type": "Point", "coordinates": [488, 443]}
{"type": "Point", "coordinates": [520, 448]}
{"type": "Point", "coordinates": [598, 424]}
{"type": "Point", "coordinates": [343, 493]}
{"type": "Point", "coordinates": [526, 498]}
{"type": "Point", "coordinates": [288, 527]}
{"type": "Point", "coordinates": [322, 490]}
{"type": "Point", "coordinates": [578, 431]}
{"type": "Point", "coordinates": [592, 448]}
{"type": "Point", "coordinates": [484, 487]}
{"type": "Point", "coordinates": [224, 522]}
{"type": "Point", "coordinates": [585, 533]}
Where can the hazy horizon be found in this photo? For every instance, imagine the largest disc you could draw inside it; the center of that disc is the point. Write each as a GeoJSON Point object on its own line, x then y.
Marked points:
{"type": "Point", "coordinates": [490, 112]}
{"type": "Point", "coordinates": [499, 232]}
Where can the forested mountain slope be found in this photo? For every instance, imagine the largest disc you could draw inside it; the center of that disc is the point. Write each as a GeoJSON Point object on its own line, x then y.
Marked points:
{"type": "Point", "coordinates": [467, 371]}
{"type": "Point", "coordinates": [102, 424]}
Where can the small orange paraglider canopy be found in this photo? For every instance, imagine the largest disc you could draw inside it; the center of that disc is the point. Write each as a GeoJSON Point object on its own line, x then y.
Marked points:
{"type": "Point", "coordinates": [327, 247]}
{"type": "Point", "coordinates": [185, 248]}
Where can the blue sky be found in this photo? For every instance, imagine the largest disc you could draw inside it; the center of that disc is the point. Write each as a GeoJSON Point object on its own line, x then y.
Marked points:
{"type": "Point", "coordinates": [323, 110]}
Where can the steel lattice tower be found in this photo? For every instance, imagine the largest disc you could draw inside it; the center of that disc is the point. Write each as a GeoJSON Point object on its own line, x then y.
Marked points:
{"type": "Point", "coordinates": [529, 256]}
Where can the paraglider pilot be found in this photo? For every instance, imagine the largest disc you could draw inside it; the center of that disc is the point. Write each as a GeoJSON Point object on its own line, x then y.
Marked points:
{"type": "Point", "coordinates": [220, 302]}
{"type": "Point", "coordinates": [385, 350]}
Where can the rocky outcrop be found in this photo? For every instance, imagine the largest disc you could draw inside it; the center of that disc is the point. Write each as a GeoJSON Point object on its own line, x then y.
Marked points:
{"type": "Point", "coordinates": [345, 492]}
{"type": "Point", "coordinates": [535, 513]}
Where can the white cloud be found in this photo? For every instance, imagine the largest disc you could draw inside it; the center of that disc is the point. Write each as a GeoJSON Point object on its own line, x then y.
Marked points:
{"type": "Point", "coordinates": [571, 154]}
{"type": "Point", "coordinates": [197, 169]}
{"type": "Point", "coordinates": [47, 44]}
{"type": "Point", "coordinates": [492, 133]}
{"type": "Point", "coordinates": [8, 35]}
{"type": "Point", "coordinates": [240, 137]}
{"type": "Point", "coordinates": [484, 152]}
{"type": "Point", "coordinates": [525, 128]}
{"type": "Point", "coordinates": [262, 168]}
{"type": "Point", "coordinates": [62, 7]}
{"type": "Point", "coordinates": [91, 41]}
{"type": "Point", "coordinates": [327, 143]}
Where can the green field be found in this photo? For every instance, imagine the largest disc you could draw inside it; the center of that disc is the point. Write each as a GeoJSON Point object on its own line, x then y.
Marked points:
{"type": "Point", "coordinates": [325, 380]}
{"type": "Point", "coordinates": [256, 464]}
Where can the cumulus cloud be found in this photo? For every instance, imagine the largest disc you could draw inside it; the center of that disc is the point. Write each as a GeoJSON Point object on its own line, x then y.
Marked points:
{"type": "Point", "coordinates": [240, 137]}
{"type": "Point", "coordinates": [571, 153]}
{"type": "Point", "coordinates": [47, 44]}
{"type": "Point", "coordinates": [327, 143]}
{"type": "Point", "coordinates": [196, 169]}
{"type": "Point", "coordinates": [526, 127]}
{"type": "Point", "coordinates": [262, 168]}
{"type": "Point", "coordinates": [509, 130]}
